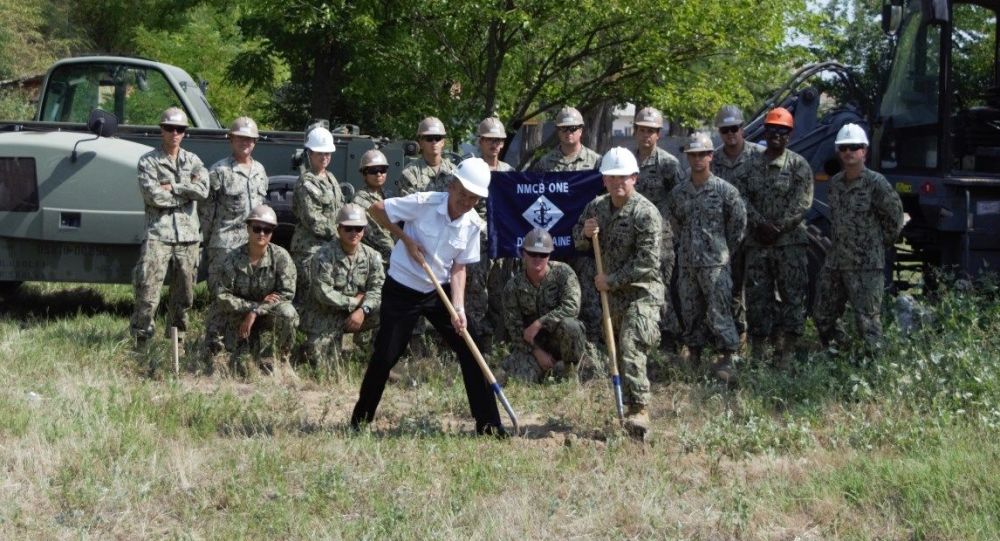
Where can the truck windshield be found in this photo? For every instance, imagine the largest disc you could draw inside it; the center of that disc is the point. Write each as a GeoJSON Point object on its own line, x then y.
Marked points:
{"type": "Point", "coordinates": [135, 94]}
{"type": "Point", "coordinates": [910, 104]}
{"type": "Point", "coordinates": [975, 94]}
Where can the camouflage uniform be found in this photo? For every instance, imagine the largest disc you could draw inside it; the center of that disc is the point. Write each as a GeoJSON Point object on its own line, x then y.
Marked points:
{"type": "Point", "coordinates": [556, 303]}
{"type": "Point", "coordinates": [376, 236]}
{"type": "Point", "coordinates": [554, 160]}
{"type": "Point", "coordinates": [736, 171]}
{"type": "Point", "coordinates": [583, 264]}
{"type": "Point", "coordinates": [777, 192]}
{"type": "Point", "coordinates": [708, 223]}
{"type": "Point", "coordinates": [172, 236]}
{"type": "Point", "coordinates": [658, 174]}
{"type": "Point", "coordinates": [240, 288]}
{"type": "Point", "coordinates": [866, 216]}
{"type": "Point", "coordinates": [337, 280]}
{"type": "Point", "coordinates": [315, 203]}
{"type": "Point", "coordinates": [233, 192]}
{"type": "Point", "coordinates": [630, 245]}
{"type": "Point", "coordinates": [417, 176]}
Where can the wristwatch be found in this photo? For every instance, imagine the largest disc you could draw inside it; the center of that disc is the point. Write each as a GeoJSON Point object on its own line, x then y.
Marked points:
{"type": "Point", "coordinates": [366, 309]}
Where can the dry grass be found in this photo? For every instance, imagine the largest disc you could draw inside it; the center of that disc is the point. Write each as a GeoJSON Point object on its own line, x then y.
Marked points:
{"type": "Point", "coordinates": [91, 448]}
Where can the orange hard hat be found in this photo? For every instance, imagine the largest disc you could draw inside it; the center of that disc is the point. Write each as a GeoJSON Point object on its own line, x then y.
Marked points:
{"type": "Point", "coordinates": [779, 116]}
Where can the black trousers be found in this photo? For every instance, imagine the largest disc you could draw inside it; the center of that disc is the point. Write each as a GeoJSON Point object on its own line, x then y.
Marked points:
{"type": "Point", "coordinates": [401, 308]}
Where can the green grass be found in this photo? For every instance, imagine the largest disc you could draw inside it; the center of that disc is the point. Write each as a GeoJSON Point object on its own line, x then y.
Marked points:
{"type": "Point", "coordinates": [902, 446]}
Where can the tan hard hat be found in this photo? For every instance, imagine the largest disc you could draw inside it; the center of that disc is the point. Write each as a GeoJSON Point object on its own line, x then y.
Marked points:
{"type": "Point", "coordinates": [431, 126]}
{"type": "Point", "coordinates": [263, 214]}
{"type": "Point", "coordinates": [372, 158]}
{"type": "Point", "coordinates": [539, 241]}
{"type": "Point", "coordinates": [728, 115]}
{"type": "Point", "coordinates": [699, 142]}
{"type": "Point", "coordinates": [244, 126]}
{"type": "Point", "coordinates": [174, 116]}
{"type": "Point", "coordinates": [649, 117]}
{"type": "Point", "coordinates": [491, 127]}
{"type": "Point", "coordinates": [351, 214]}
{"type": "Point", "coordinates": [569, 116]}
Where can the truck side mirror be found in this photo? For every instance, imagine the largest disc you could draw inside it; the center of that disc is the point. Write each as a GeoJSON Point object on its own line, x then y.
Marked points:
{"type": "Point", "coordinates": [102, 123]}
{"type": "Point", "coordinates": [892, 16]}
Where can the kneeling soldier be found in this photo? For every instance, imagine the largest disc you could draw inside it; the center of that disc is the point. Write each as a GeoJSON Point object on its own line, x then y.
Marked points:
{"type": "Point", "coordinates": [540, 307]}
{"type": "Point", "coordinates": [346, 290]}
{"type": "Point", "coordinates": [254, 289]}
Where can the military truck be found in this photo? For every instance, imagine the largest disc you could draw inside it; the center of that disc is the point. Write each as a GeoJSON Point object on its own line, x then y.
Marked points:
{"type": "Point", "coordinates": [70, 208]}
{"type": "Point", "coordinates": [935, 133]}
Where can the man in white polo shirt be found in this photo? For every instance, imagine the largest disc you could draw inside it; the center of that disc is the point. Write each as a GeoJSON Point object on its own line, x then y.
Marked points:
{"type": "Point", "coordinates": [441, 228]}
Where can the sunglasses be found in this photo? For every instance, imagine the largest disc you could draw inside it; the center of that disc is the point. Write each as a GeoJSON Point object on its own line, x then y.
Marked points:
{"type": "Point", "coordinates": [432, 138]}
{"type": "Point", "coordinates": [569, 129]}
{"type": "Point", "coordinates": [493, 141]}
{"type": "Point", "coordinates": [261, 230]}
{"type": "Point", "coordinates": [536, 255]}
{"type": "Point", "coordinates": [173, 129]}
{"type": "Point", "coordinates": [777, 130]}
{"type": "Point", "coordinates": [353, 228]}
{"type": "Point", "coordinates": [729, 129]}
{"type": "Point", "coordinates": [850, 148]}
{"type": "Point", "coordinates": [376, 170]}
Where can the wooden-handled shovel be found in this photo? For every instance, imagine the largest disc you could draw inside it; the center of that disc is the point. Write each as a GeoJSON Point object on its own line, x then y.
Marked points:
{"type": "Point", "coordinates": [475, 350]}
{"type": "Point", "coordinates": [609, 333]}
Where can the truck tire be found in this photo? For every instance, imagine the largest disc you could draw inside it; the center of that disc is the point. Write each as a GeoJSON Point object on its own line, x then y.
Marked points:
{"type": "Point", "coordinates": [279, 197]}
{"type": "Point", "coordinates": [8, 289]}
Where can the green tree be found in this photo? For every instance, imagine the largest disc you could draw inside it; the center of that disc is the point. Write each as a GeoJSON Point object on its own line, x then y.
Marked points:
{"type": "Point", "coordinates": [207, 28]}
{"type": "Point", "coordinates": [392, 63]}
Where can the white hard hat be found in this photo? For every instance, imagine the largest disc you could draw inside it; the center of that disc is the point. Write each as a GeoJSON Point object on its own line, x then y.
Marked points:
{"type": "Point", "coordinates": [320, 140]}
{"type": "Point", "coordinates": [699, 142]}
{"type": "Point", "coordinates": [474, 174]}
{"type": "Point", "coordinates": [619, 162]}
{"type": "Point", "coordinates": [851, 134]}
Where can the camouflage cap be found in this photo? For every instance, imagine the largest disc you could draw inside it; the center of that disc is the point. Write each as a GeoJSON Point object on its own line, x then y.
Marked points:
{"type": "Point", "coordinates": [491, 127]}
{"type": "Point", "coordinates": [728, 115]}
{"type": "Point", "coordinates": [244, 126]}
{"type": "Point", "coordinates": [539, 241]}
{"type": "Point", "coordinates": [649, 117]}
{"type": "Point", "coordinates": [174, 116]}
{"type": "Point", "coordinates": [431, 126]}
{"type": "Point", "coordinates": [699, 142]}
{"type": "Point", "coordinates": [263, 214]}
{"type": "Point", "coordinates": [569, 116]}
{"type": "Point", "coordinates": [351, 214]}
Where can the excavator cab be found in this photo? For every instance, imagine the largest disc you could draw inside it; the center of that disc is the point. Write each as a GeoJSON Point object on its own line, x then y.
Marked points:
{"type": "Point", "coordinates": [937, 130]}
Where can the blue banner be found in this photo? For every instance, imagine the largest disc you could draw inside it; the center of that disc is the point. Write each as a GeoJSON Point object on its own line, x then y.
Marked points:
{"type": "Point", "coordinates": [519, 202]}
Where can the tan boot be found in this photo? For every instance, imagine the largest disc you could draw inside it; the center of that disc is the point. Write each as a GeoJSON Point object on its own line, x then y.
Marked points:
{"type": "Point", "coordinates": [725, 368]}
{"type": "Point", "coordinates": [219, 365]}
{"type": "Point", "coordinates": [637, 421]}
